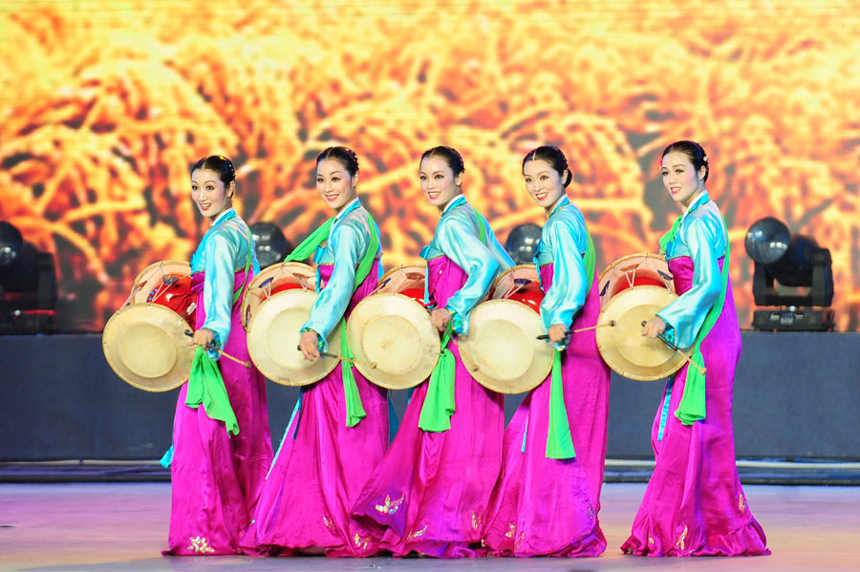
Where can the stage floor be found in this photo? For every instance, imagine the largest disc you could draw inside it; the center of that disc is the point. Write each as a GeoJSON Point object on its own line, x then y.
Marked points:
{"type": "Point", "coordinates": [115, 527]}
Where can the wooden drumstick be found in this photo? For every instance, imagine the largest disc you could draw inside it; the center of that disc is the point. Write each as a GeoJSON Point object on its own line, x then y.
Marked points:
{"type": "Point", "coordinates": [611, 324]}
{"type": "Point", "coordinates": [370, 364]}
{"type": "Point", "coordinates": [189, 333]}
{"type": "Point", "coordinates": [663, 339]}
{"type": "Point", "coordinates": [348, 360]}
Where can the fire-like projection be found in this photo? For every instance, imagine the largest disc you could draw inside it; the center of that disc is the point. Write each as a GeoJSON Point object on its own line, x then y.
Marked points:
{"type": "Point", "coordinates": [104, 105]}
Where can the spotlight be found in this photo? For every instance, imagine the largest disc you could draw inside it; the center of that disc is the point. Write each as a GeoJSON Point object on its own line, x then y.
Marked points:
{"type": "Point", "coordinates": [793, 261]}
{"type": "Point", "coordinates": [28, 287]}
{"type": "Point", "coordinates": [522, 242]}
{"type": "Point", "coordinates": [272, 247]}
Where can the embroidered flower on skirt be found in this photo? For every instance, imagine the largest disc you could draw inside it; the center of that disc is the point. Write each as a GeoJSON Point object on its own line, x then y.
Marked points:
{"type": "Point", "coordinates": [417, 533]}
{"type": "Point", "coordinates": [390, 507]}
{"type": "Point", "coordinates": [200, 545]}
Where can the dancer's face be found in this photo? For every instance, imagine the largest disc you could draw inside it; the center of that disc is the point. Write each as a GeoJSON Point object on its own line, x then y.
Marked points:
{"type": "Point", "coordinates": [438, 181]}
{"type": "Point", "coordinates": [681, 179]}
{"type": "Point", "coordinates": [335, 185]}
{"type": "Point", "coordinates": [543, 183]}
{"type": "Point", "coordinates": [209, 193]}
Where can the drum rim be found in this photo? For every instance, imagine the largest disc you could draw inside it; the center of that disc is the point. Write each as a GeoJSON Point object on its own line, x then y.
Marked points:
{"type": "Point", "coordinates": [618, 261]}
{"type": "Point", "coordinates": [246, 299]}
{"type": "Point", "coordinates": [496, 282]}
{"type": "Point", "coordinates": [539, 370]}
{"type": "Point", "coordinates": [185, 353]}
{"type": "Point", "coordinates": [328, 364]}
{"type": "Point", "coordinates": [415, 376]}
{"type": "Point", "coordinates": [182, 263]}
{"type": "Point", "coordinates": [183, 268]}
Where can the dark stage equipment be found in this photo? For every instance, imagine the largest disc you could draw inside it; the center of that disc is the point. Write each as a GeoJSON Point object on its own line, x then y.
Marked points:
{"type": "Point", "coordinates": [522, 242]}
{"type": "Point", "coordinates": [28, 286]}
{"type": "Point", "coordinates": [792, 261]}
{"type": "Point", "coordinates": [272, 247]}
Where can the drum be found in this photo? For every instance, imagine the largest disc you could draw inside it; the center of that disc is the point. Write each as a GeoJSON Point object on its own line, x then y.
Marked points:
{"type": "Point", "coordinates": [145, 342]}
{"type": "Point", "coordinates": [277, 304]}
{"type": "Point", "coordinates": [502, 351]}
{"type": "Point", "coordinates": [390, 333]}
{"type": "Point", "coordinates": [632, 290]}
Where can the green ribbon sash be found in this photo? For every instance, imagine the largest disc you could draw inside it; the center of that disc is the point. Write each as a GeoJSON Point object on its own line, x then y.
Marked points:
{"type": "Point", "coordinates": [439, 403]}
{"type": "Point", "coordinates": [206, 386]}
{"type": "Point", "coordinates": [559, 443]}
{"type": "Point", "coordinates": [692, 406]}
{"type": "Point", "coordinates": [354, 408]}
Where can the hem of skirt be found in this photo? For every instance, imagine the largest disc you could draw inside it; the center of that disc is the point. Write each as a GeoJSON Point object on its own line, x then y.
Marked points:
{"type": "Point", "coordinates": [340, 551]}
{"type": "Point", "coordinates": [215, 552]}
{"type": "Point", "coordinates": [442, 549]}
{"type": "Point", "coordinates": [748, 540]}
{"type": "Point", "coordinates": [591, 545]}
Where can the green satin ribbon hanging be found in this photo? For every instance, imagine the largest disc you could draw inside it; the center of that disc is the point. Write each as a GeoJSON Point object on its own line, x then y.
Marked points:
{"type": "Point", "coordinates": [310, 244]}
{"type": "Point", "coordinates": [559, 443]}
{"type": "Point", "coordinates": [206, 386]}
{"type": "Point", "coordinates": [354, 408]}
{"type": "Point", "coordinates": [692, 406]}
{"type": "Point", "coordinates": [439, 403]}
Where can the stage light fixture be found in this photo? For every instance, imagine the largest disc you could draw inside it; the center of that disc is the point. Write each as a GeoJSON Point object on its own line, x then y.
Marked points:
{"type": "Point", "coordinates": [791, 261]}
{"type": "Point", "coordinates": [28, 287]}
{"type": "Point", "coordinates": [271, 244]}
{"type": "Point", "coordinates": [522, 242]}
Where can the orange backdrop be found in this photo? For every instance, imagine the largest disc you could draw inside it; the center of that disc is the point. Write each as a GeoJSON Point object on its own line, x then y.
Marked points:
{"type": "Point", "coordinates": [104, 105]}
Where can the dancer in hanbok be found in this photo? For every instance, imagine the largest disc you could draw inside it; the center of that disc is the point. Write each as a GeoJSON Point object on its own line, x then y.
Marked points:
{"type": "Point", "coordinates": [222, 447]}
{"type": "Point", "coordinates": [694, 504]}
{"type": "Point", "coordinates": [338, 431]}
{"type": "Point", "coordinates": [430, 492]}
{"type": "Point", "coordinates": [547, 498]}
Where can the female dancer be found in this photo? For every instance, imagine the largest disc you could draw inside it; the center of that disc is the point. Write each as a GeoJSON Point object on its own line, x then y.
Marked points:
{"type": "Point", "coordinates": [548, 495]}
{"type": "Point", "coordinates": [694, 504]}
{"type": "Point", "coordinates": [221, 453]}
{"type": "Point", "coordinates": [430, 492]}
{"type": "Point", "coordinates": [339, 429]}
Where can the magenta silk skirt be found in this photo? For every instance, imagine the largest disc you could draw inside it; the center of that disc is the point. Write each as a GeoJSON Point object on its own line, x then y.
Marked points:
{"type": "Point", "coordinates": [217, 478]}
{"type": "Point", "coordinates": [430, 492]}
{"type": "Point", "coordinates": [549, 507]}
{"type": "Point", "coordinates": [694, 504]}
{"type": "Point", "coordinates": [322, 466]}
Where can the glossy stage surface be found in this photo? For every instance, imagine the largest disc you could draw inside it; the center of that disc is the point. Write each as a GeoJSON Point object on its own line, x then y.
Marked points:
{"type": "Point", "coordinates": [117, 527]}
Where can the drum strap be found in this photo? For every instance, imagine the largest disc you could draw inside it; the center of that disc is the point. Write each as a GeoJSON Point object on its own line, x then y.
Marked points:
{"type": "Point", "coordinates": [210, 391]}
{"type": "Point", "coordinates": [439, 403]}
{"type": "Point", "coordinates": [482, 230]}
{"type": "Point", "coordinates": [238, 293]}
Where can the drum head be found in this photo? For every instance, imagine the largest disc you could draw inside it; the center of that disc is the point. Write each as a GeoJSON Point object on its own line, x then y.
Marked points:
{"type": "Point", "coordinates": [271, 279]}
{"type": "Point", "coordinates": [146, 345]}
{"type": "Point", "coordinates": [273, 339]}
{"type": "Point", "coordinates": [502, 351]}
{"type": "Point", "coordinates": [623, 347]}
{"type": "Point", "coordinates": [394, 333]}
